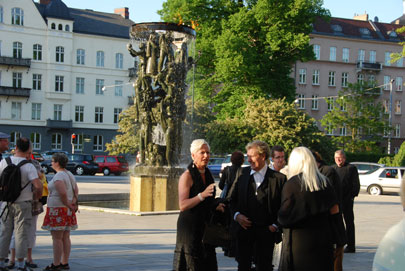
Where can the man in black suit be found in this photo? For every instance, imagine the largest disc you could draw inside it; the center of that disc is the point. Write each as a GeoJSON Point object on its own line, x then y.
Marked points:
{"type": "Point", "coordinates": [255, 203]}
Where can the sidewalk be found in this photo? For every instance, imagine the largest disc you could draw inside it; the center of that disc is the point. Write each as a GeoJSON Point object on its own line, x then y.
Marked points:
{"type": "Point", "coordinates": [109, 241]}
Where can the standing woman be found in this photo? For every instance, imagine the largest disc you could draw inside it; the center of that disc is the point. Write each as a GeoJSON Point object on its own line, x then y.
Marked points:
{"type": "Point", "coordinates": [60, 216]}
{"type": "Point", "coordinates": [196, 200]}
{"type": "Point", "coordinates": [307, 200]}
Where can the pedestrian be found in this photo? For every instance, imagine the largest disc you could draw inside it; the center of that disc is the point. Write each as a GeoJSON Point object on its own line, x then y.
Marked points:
{"type": "Point", "coordinates": [278, 157]}
{"type": "Point", "coordinates": [336, 220]}
{"type": "Point", "coordinates": [349, 178]}
{"type": "Point", "coordinates": [19, 213]}
{"type": "Point", "coordinates": [196, 200]}
{"type": "Point", "coordinates": [255, 203]}
{"type": "Point", "coordinates": [3, 143]}
{"type": "Point", "coordinates": [308, 199]}
{"type": "Point", "coordinates": [60, 217]}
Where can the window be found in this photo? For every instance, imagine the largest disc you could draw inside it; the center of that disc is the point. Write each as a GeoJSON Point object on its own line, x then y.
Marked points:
{"type": "Point", "coordinates": [396, 150]}
{"type": "Point", "coordinates": [398, 107]}
{"type": "Point", "coordinates": [329, 129]}
{"type": "Point", "coordinates": [342, 131]}
{"type": "Point", "coordinates": [17, 16]}
{"type": "Point", "coordinates": [59, 83]}
{"type": "Point", "coordinates": [79, 113]}
{"type": "Point", "coordinates": [360, 78]}
{"type": "Point", "coordinates": [37, 52]}
{"type": "Point", "coordinates": [331, 103]}
{"type": "Point", "coordinates": [345, 79]}
{"type": "Point", "coordinates": [37, 81]}
{"type": "Point", "coordinates": [302, 76]}
{"type": "Point", "coordinates": [397, 131]}
{"type": "Point", "coordinates": [78, 142]}
{"type": "Point", "coordinates": [398, 83]}
{"type": "Point", "coordinates": [361, 55]}
{"type": "Point", "coordinates": [400, 62]}
{"type": "Point", "coordinates": [332, 54]}
{"type": "Point", "coordinates": [14, 136]}
{"type": "Point", "coordinates": [301, 101]}
{"type": "Point", "coordinates": [17, 49]}
{"type": "Point", "coordinates": [60, 27]}
{"type": "Point", "coordinates": [372, 56]}
{"type": "Point", "coordinates": [371, 80]}
{"type": "Point", "coordinates": [53, 26]}
{"type": "Point", "coordinates": [315, 77]}
{"type": "Point", "coordinates": [98, 117]}
{"type": "Point", "coordinates": [17, 79]}
{"type": "Point", "coordinates": [387, 80]}
{"type": "Point", "coordinates": [0, 49]}
{"type": "Point", "coordinates": [331, 81]}
{"type": "Point", "coordinates": [345, 55]}
{"type": "Point", "coordinates": [80, 57]}
{"type": "Point", "coordinates": [98, 143]}
{"type": "Point", "coordinates": [386, 106]}
{"type": "Point", "coordinates": [57, 112]}
{"type": "Point", "coordinates": [117, 112]}
{"type": "Point", "coordinates": [343, 107]}
{"type": "Point", "coordinates": [36, 141]}
{"type": "Point", "coordinates": [99, 86]}
{"type": "Point", "coordinates": [79, 85]}
{"type": "Point", "coordinates": [56, 141]}
{"type": "Point", "coordinates": [16, 110]}
{"type": "Point", "coordinates": [387, 59]}
{"type": "Point", "coordinates": [119, 58]}
{"type": "Point", "coordinates": [118, 88]}
{"type": "Point", "coordinates": [314, 102]}
{"type": "Point", "coordinates": [100, 59]}
{"type": "Point", "coordinates": [67, 28]}
{"type": "Point", "coordinates": [60, 54]}
{"type": "Point", "coordinates": [317, 51]}
{"type": "Point", "coordinates": [1, 14]}
{"type": "Point", "coordinates": [36, 111]}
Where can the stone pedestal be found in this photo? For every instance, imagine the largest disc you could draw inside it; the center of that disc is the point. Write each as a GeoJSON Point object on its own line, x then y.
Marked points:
{"type": "Point", "coordinates": [154, 189]}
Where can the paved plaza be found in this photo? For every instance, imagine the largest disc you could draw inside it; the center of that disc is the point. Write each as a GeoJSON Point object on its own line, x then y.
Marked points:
{"type": "Point", "coordinates": [109, 241]}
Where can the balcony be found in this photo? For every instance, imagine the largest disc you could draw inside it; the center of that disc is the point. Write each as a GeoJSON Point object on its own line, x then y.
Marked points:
{"type": "Point", "coordinates": [368, 66]}
{"type": "Point", "coordinates": [59, 124]}
{"type": "Point", "coordinates": [15, 92]}
{"type": "Point", "coordinates": [132, 72]}
{"type": "Point", "coordinates": [12, 61]}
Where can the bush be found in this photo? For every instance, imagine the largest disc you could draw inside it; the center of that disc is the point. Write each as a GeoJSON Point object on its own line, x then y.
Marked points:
{"type": "Point", "coordinates": [364, 157]}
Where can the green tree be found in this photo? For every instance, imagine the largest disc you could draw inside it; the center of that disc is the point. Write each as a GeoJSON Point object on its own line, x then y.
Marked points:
{"type": "Point", "coordinates": [127, 141]}
{"type": "Point", "coordinates": [397, 161]}
{"type": "Point", "coordinates": [357, 110]}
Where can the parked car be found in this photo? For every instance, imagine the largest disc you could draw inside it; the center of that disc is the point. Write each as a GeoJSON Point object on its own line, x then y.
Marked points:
{"type": "Point", "coordinates": [227, 162]}
{"type": "Point", "coordinates": [80, 164]}
{"type": "Point", "coordinates": [37, 156]}
{"type": "Point", "coordinates": [48, 154]}
{"type": "Point", "coordinates": [364, 167]}
{"type": "Point", "coordinates": [214, 165]}
{"type": "Point", "coordinates": [382, 179]}
{"type": "Point", "coordinates": [111, 164]}
{"type": "Point", "coordinates": [47, 166]}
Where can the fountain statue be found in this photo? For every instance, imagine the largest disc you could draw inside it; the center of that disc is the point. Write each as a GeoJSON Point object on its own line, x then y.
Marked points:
{"type": "Point", "coordinates": [160, 90]}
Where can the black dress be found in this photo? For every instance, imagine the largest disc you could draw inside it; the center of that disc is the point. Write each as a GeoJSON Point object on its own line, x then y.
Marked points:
{"type": "Point", "coordinates": [190, 254]}
{"type": "Point", "coordinates": [307, 238]}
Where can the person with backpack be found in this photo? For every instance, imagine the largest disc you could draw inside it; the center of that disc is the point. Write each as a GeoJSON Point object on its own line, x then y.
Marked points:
{"type": "Point", "coordinates": [19, 185]}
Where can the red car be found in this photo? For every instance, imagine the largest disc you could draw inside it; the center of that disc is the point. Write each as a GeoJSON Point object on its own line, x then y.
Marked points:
{"type": "Point", "coordinates": [111, 164]}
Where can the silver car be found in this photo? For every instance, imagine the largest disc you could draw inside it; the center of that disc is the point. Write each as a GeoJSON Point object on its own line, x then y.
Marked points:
{"type": "Point", "coordinates": [364, 167]}
{"type": "Point", "coordinates": [382, 180]}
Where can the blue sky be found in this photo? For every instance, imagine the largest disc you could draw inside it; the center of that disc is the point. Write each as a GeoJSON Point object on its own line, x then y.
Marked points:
{"type": "Point", "coordinates": [145, 10]}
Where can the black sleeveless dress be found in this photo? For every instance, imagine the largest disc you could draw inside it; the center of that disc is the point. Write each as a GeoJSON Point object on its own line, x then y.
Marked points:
{"type": "Point", "coordinates": [190, 253]}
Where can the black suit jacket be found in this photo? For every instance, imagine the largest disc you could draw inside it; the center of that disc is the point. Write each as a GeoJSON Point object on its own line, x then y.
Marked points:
{"type": "Point", "coordinates": [268, 194]}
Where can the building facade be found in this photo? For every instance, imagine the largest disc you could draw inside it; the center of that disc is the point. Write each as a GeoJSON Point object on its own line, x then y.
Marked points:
{"type": "Point", "coordinates": [348, 51]}
{"type": "Point", "coordinates": [63, 71]}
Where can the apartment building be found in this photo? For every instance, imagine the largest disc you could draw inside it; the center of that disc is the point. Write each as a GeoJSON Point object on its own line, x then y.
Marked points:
{"type": "Point", "coordinates": [348, 51]}
{"type": "Point", "coordinates": [63, 71]}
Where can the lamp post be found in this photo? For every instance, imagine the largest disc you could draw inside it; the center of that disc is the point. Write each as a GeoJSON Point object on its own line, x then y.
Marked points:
{"type": "Point", "coordinates": [390, 119]}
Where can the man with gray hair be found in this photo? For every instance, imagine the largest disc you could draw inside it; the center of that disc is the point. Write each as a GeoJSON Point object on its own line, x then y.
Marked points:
{"type": "Point", "coordinates": [350, 184]}
{"type": "Point", "coordinates": [255, 203]}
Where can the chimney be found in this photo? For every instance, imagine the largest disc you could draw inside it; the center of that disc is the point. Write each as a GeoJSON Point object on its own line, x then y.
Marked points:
{"type": "Point", "coordinates": [361, 17]}
{"type": "Point", "coordinates": [124, 12]}
{"type": "Point", "coordinates": [45, 2]}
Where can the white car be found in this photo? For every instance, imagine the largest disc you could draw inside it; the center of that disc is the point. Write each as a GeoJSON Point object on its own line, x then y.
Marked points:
{"type": "Point", "coordinates": [381, 180]}
{"type": "Point", "coordinates": [364, 167]}
{"type": "Point", "coordinates": [227, 162]}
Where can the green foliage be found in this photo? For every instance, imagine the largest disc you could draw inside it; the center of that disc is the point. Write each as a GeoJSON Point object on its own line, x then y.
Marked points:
{"type": "Point", "coordinates": [398, 160]}
{"type": "Point", "coordinates": [373, 157]}
{"type": "Point", "coordinates": [386, 160]}
{"type": "Point", "coordinates": [247, 48]}
{"type": "Point", "coordinates": [127, 141]}
{"type": "Point", "coordinates": [357, 108]}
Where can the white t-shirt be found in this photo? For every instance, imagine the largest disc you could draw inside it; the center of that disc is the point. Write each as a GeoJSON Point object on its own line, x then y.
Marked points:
{"type": "Point", "coordinates": [28, 174]}
{"type": "Point", "coordinates": [54, 199]}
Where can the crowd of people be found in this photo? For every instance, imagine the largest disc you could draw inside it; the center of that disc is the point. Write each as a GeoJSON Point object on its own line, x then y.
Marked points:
{"type": "Point", "coordinates": [306, 206]}
{"type": "Point", "coordinates": [19, 215]}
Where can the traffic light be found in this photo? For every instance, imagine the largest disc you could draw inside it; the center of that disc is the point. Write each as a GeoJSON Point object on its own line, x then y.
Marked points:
{"type": "Point", "coordinates": [73, 139]}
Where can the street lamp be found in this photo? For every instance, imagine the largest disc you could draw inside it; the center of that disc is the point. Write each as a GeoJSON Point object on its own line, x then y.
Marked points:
{"type": "Point", "coordinates": [390, 119]}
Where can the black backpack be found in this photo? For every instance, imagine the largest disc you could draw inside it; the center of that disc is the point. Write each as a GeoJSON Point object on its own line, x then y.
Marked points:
{"type": "Point", "coordinates": [10, 182]}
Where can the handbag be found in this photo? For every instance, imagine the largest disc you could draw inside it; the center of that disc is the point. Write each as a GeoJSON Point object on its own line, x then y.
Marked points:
{"type": "Point", "coordinates": [216, 234]}
{"type": "Point", "coordinates": [37, 207]}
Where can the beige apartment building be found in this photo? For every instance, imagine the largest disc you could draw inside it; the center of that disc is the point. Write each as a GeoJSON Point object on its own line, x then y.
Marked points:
{"type": "Point", "coordinates": [347, 51]}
